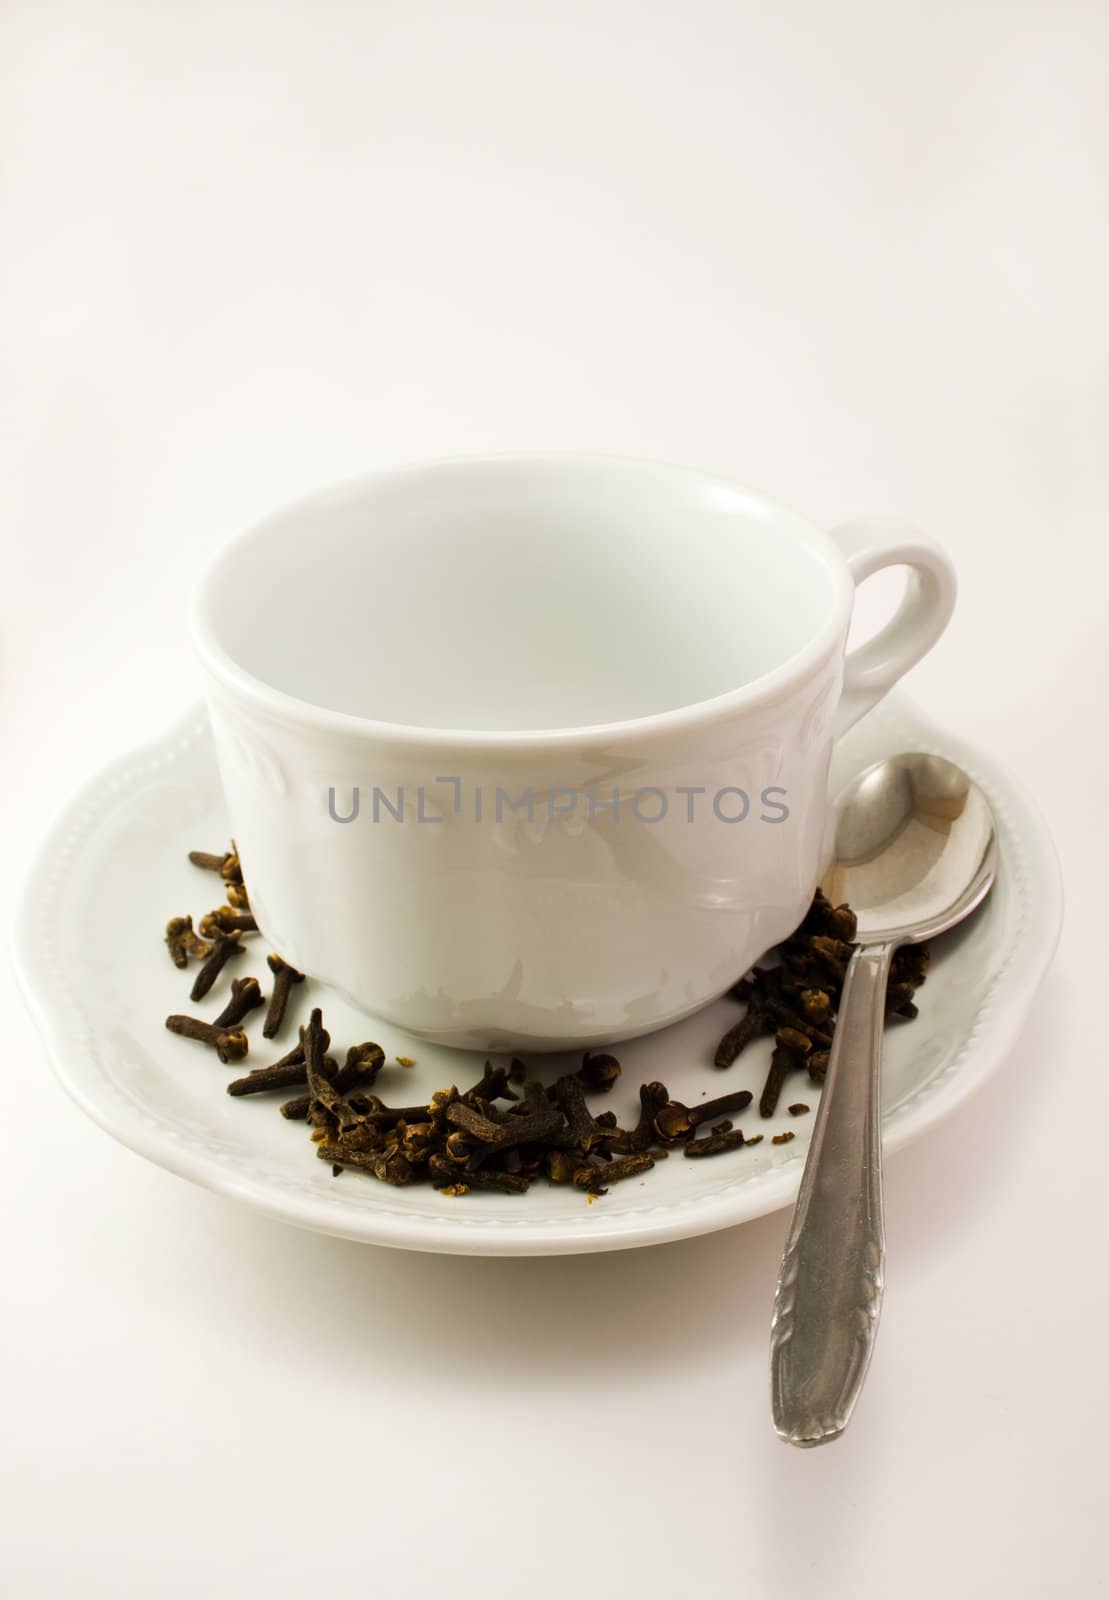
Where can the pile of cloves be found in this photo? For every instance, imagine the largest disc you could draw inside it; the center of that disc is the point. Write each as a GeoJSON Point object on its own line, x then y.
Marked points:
{"type": "Point", "coordinates": [797, 999]}
{"type": "Point", "coordinates": [501, 1132]}
{"type": "Point", "coordinates": [506, 1129]}
{"type": "Point", "coordinates": [218, 941]}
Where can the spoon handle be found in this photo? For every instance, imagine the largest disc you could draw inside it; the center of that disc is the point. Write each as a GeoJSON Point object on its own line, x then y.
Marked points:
{"type": "Point", "coordinates": [829, 1291]}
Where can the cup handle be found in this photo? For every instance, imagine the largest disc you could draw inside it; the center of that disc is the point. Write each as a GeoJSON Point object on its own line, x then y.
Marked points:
{"type": "Point", "coordinates": [867, 546]}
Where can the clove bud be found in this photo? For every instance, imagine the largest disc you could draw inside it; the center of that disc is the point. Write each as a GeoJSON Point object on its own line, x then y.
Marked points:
{"type": "Point", "coordinates": [229, 1044]}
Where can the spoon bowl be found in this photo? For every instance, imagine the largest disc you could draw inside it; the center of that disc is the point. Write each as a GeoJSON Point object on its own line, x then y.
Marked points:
{"type": "Point", "coordinates": [912, 836]}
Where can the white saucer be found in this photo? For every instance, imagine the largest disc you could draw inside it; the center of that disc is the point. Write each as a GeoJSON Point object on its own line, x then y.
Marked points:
{"type": "Point", "coordinates": [92, 963]}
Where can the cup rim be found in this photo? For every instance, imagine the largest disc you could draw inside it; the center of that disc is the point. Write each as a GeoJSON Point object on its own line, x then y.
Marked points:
{"type": "Point", "coordinates": [764, 690]}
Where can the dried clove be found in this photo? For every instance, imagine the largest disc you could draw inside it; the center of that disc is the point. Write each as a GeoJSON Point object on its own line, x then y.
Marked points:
{"type": "Point", "coordinates": [570, 1097]}
{"type": "Point", "coordinates": [182, 942]}
{"type": "Point", "coordinates": [361, 1067]}
{"type": "Point", "coordinates": [472, 1122]}
{"type": "Point", "coordinates": [597, 1179]}
{"type": "Point", "coordinates": [388, 1168]}
{"type": "Point", "coordinates": [536, 1128]}
{"type": "Point", "coordinates": [598, 1072]}
{"type": "Point", "coordinates": [739, 1101]}
{"type": "Point", "coordinates": [740, 1035]}
{"type": "Point", "coordinates": [673, 1122]}
{"type": "Point", "coordinates": [205, 859]}
{"type": "Point", "coordinates": [327, 1102]}
{"type": "Point", "coordinates": [296, 1109]}
{"type": "Point", "coordinates": [246, 994]}
{"type": "Point", "coordinates": [784, 1061]}
{"type": "Point", "coordinates": [286, 1073]}
{"type": "Point", "coordinates": [715, 1143]}
{"type": "Point", "coordinates": [833, 953]}
{"type": "Point", "coordinates": [494, 1084]}
{"type": "Point", "coordinates": [652, 1097]}
{"type": "Point", "coordinates": [224, 920]}
{"type": "Point", "coordinates": [561, 1165]}
{"type": "Point", "coordinates": [443, 1173]}
{"type": "Point", "coordinates": [230, 1044]}
{"type": "Point", "coordinates": [363, 1063]}
{"type": "Point", "coordinates": [223, 950]}
{"type": "Point", "coordinates": [230, 868]}
{"type": "Point", "coordinates": [284, 977]}
{"type": "Point", "coordinates": [816, 1005]}
{"type": "Point", "coordinates": [817, 1064]}
{"type": "Point", "coordinates": [798, 1042]}
{"type": "Point", "coordinates": [788, 1016]}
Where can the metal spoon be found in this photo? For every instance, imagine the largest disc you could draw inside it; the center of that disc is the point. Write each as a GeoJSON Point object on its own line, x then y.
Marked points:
{"type": "Point", "coordinates": [915, 853]}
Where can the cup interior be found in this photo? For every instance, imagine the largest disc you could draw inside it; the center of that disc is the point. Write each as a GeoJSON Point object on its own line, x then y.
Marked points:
{"type": "Point", "coordinates": [517, 593]}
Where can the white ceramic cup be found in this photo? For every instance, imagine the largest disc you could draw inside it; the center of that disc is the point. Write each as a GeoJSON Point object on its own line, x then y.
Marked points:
{"type": "Point", "coordinates": [585, 710]}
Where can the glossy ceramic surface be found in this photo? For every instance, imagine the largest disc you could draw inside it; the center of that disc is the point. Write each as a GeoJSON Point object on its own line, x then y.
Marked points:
{"type": "Point", "coordinates": [531, 752]}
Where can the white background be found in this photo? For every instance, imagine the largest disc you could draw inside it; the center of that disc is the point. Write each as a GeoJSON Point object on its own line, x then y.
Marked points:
{"type": "Point", "coordinates": [855, 255]}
